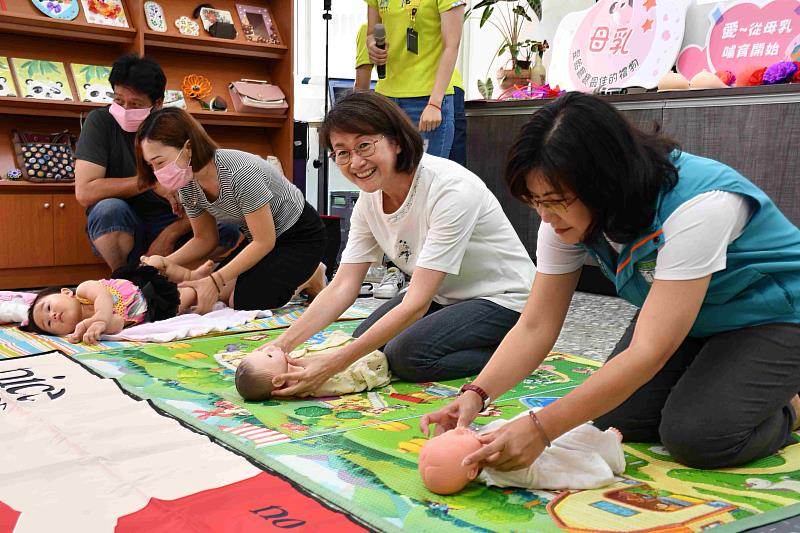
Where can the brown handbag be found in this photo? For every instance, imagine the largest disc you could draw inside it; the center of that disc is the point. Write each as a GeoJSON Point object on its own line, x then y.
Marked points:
{"type": "Point", "coordinates": [45, 157]}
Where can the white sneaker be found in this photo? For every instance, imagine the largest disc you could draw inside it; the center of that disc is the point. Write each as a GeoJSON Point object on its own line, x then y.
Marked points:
{"type": "Point", "coordinates": [391, 284]}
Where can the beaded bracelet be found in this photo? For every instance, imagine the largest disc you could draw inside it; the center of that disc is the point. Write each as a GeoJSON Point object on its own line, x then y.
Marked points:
{"type": "Point", "coordinates": [538, 424]}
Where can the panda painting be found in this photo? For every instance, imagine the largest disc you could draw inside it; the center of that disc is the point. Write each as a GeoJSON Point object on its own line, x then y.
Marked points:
{"type": "Point", "coordinates": [6, 87]}
{"type": "Point", "coordinates": [98, 92]}
{"type": "Point", "coordinates": [50, 90]}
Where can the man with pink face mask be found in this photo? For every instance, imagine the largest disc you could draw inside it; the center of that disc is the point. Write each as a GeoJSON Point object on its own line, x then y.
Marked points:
{"type": "Point", "coordinates": [126, 221]}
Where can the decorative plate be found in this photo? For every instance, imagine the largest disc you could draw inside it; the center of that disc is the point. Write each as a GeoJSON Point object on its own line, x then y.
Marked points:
{"type": "Point", "coordinates": [105, 12]}
{"type": "Point", "coordinates": [58, 9]}
{"type": "Point", "coordinates": [154, 15]}
{"type": "Point", "coordinates": [187, 26]}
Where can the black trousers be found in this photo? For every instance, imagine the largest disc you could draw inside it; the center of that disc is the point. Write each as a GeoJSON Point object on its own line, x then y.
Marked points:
{"type": "Point", "coordinates": [719, 401]}
{"type": "Point", "coordinates": [272, 282]}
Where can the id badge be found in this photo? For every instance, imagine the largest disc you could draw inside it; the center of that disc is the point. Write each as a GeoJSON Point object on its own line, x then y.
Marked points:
{"type": "Point", "coordinates": [412, 40]}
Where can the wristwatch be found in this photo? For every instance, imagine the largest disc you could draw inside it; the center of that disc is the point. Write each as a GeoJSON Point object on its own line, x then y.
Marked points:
{"type": "Point", "coordinates": [477, 390]}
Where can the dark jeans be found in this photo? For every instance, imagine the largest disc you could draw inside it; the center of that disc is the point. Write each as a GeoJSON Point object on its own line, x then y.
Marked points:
{"type": "Point", "coordinates": [458, 152]}
{"type": "Point", "coordinates": [449, 342]}
{"type": "Point", "coordinates": [719, 401]}
{"type": "Point", "coordinates": [272, 282]}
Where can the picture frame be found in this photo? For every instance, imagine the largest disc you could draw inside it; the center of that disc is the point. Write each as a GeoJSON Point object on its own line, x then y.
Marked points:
{"type": "Point", "coordinates": [41, 79]}
{"type": "Point", "coordinates": [209, 16]}
{"type": "Point", "coordinates": [7, 85]}
{"type": "Point", "coordinates": [91, 82]}
{"type": "Point", "coordinates": [105, 13]}
{"type": "Point", "coordinates": [257, 24]}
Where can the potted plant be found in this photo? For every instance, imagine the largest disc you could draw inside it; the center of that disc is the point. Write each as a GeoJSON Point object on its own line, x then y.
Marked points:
{"type": "Point", "coordinates": [512, 14]}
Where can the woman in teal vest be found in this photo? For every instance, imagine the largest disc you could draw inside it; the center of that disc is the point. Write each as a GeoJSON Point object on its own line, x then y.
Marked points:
{"type": "Point", "coordinates": [711, 365]}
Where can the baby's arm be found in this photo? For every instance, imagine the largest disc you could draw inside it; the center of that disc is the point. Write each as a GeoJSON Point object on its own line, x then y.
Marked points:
{"type": "Point", "coordinates": [103, 320]}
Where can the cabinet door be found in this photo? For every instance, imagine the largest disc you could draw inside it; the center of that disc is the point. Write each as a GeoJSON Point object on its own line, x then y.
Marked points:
{"type": "Point", "coordinates": [71, 243]}
{"type": "Point", "coordinates": [27, 224]}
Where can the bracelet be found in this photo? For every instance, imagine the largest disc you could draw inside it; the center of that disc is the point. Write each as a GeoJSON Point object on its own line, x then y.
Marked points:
{"type": "Point", "coordinates": [221, 279]}
{"type": "Point", "coordinates": [436, 106]}
{"type": "Point", "coordinates": [215, 283]}
{"type": "Point", "coordinates": [538, 424]}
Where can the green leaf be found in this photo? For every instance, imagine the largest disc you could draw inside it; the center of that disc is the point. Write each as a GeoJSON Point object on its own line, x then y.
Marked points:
{"type": "Point", "coordinates": [486, 14]}
{"type": "Point", "coordinates": [536, 7]}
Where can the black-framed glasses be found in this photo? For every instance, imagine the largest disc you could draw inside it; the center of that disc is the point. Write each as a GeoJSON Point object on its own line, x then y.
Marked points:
{"type": "Point", "coordinates": [362, 149]}
{"type": "Point", "coordinates": [555, 206]}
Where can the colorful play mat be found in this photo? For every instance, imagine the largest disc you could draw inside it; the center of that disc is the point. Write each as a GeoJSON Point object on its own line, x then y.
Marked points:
{"type": "Point", "coordinates": [325, 464]}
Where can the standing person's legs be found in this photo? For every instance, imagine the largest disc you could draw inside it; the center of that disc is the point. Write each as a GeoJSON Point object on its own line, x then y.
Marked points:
{"type": "Point", "coordinates": [273, 281]}
{"type": "Point", "coordinates": [450, 342]}
{"type": "Point", "coordinates": [112, 226]}
{"type": "Point", "coordinates": [458, 151]}
{"type": "Point", "coordinates": [732, 404]}
{"type": "Point", "coordinates": [639, 417]}
{"type": "Point", "coordinates": [440, 139]}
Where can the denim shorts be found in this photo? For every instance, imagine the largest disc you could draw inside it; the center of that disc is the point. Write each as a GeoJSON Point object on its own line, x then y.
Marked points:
{"type": "Point", "coordinates": [114, 214]}
{"type": "Point", "coordinates": [439, 140]}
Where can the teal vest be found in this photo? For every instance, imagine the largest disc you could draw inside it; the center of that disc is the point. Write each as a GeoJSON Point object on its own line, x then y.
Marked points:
{"type": "Point", "coordinates": [761, 283]}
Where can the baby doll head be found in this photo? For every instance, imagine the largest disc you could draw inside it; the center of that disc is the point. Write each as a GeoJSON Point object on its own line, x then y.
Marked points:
{"type": "Point", "coordinates": [55, 311]}
{"type": "Point", "coordinates": [440, 461]}
{"type": "Point", "coordinates": [255, 372]}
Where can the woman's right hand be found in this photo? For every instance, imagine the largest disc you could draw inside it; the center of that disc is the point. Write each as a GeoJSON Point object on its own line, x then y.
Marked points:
{"type": "Point", "coordinates": [377, 56]}
{"type": "Point", "coordinates": [458, 413]}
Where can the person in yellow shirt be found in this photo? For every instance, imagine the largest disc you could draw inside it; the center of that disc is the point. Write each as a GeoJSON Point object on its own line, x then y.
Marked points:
{"type": "Point", "coordinates": [422, 40]}
{"type": "Point", "coordinates": [363, 63]}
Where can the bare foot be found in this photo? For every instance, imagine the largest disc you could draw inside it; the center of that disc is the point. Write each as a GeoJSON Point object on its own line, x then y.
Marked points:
{"type": "Point", "coordinates": [795, 403]}
{"type": "Point", "coordinates": [315, 284]}
{"type": "Point", "coordinates": [618, 433]}
{"type": "Point", "coordinates": [202, 271]}
{"type": "Point", "coordinates": [172, 271]}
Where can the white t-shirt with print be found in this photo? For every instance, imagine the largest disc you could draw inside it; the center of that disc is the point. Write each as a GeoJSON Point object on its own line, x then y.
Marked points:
{"type": "Point", "coordinates": [695, 243]}
{"type": "Point", "coordinates": [449, 222]}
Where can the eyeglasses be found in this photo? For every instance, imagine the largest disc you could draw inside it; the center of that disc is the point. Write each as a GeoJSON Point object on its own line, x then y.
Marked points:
{"type": "Point", "coordinates": [555, 206]}
{"type": "Point", "coordinates": [362, 149]}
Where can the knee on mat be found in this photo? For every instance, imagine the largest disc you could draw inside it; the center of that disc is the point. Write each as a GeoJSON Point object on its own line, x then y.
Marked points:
{"type": "Point", "coordinates": [403, 364]}
{"type": "Point", "coordinates": [696, 445]}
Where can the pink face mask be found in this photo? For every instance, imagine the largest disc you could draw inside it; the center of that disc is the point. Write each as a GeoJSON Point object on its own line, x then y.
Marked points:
{"type": "Point", "coordinates": [128, 119]}
{"type": "Point", "coordinates": [173, 177]}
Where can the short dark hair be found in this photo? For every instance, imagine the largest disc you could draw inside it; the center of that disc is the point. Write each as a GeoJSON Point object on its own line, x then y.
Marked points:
{"type": "Point", "coordinates": [141, 74]}
{"type": "Point", "coordinates": [173, 126]}
{"type": "Point", "coordinates": [367, 113]}
{"type": "Point", "coordinates": [32, 326]}
{"type": "Point", "coordinates": [581, 143]}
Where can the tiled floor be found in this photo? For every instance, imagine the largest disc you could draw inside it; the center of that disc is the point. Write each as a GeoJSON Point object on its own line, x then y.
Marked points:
{"type": "Point", "coordinates": [592, 328]}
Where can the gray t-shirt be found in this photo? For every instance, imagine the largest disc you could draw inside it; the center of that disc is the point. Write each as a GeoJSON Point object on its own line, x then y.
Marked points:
{"type": "Point", "coordinates": [104, 143]}
{"type": "Point", "coordinates": [246, 183]}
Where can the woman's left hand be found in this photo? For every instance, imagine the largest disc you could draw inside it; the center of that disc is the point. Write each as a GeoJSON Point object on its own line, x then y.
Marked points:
{"type": "Point", "coordinates": [515, 445]}
{"type": "Point", "coordinates": [314, 372]}
{"type": "Point", "coordinates": [207, 293]}
{"type": "Point", "coordinates": [430, 118]}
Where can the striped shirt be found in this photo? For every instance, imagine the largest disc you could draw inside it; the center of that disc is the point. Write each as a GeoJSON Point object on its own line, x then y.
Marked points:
{"type": "Point", "coordinates": [246, 183]}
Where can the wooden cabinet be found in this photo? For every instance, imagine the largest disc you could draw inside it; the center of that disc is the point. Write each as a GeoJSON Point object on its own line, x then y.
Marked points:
{"type": "Point", "coordinates": [44, 241]}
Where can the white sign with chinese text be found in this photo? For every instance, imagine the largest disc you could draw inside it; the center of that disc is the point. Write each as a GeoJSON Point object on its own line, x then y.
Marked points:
{"type": "Point", "coordinates": [618, 43]}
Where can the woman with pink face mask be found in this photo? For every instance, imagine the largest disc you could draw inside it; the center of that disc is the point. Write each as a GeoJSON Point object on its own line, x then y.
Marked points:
{"type": "Point", "coordinates": [285, 238]}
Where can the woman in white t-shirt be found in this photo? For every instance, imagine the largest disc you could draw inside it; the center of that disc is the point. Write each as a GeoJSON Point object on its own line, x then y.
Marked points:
{"type": "Point", "coordinates": [711, 365]}
{"type": "Point", "coordinates": [470, 274]}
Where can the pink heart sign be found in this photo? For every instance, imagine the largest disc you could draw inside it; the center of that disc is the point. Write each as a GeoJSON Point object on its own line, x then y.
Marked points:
{"type": "Point", "coordinates": [746, 34]}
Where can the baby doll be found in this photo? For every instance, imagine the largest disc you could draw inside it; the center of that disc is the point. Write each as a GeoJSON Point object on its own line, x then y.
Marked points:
{"type": "Point", "coordinates": [255, 372]}
{"type": "Point", "coordinates": [133, 295]}
{"type": "Point", "coordinates": [583, 458]}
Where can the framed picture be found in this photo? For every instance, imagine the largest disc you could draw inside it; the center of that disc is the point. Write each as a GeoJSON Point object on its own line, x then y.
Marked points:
{"type": "Point", "coordinates": [42, 79]}
{"type": "Point", "coordinates": [257, 24]}
{"type": "Point", "coordinates": [91, 82]}
{"type": "Point", "coordinates": [6, 79]}
{"type": "Point", "coordinates": [209, 16]}
{"type": "Point", "coordinates": [105, 12]}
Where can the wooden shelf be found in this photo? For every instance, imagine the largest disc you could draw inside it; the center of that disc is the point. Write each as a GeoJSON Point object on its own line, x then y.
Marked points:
{"type": "Point", "coordinates": [212, 46]}
{"type": "Point", "coordinates": [230, 118]}
{"type": "Point", "coordinates": [64, 29]}
{"type": "Point", "coordinates": [68, 109]}
{"type": "Point", "coordinates": [21, 186]}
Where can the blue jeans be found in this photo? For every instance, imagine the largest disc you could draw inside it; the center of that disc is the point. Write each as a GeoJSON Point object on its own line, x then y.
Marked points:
{"type": "Point", "coordinates": [449, 342]}
{"type": "Point", "coordinates": [458, 152]}
{"type": "Point", "coordinates": [441, 139]}
{"type": "Point", "coordinates": [115, 214]}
